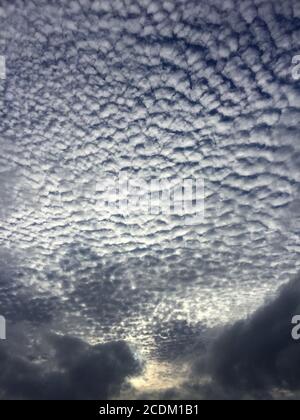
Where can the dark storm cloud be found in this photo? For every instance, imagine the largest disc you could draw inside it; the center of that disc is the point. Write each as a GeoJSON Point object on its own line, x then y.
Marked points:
{"type": "Point", "coordinates": [73, 369]}
{"type": "Point", "coordinates": [258, 355]}
{"type": "Point", "coordinates": [255, 358]}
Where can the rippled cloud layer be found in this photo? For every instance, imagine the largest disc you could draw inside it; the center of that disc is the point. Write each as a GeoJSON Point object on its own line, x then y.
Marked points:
{"type": "Point", "coordinates": [101, 89]}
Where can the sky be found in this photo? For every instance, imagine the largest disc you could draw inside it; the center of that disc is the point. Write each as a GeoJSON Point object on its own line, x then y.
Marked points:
{"type": "Point", "coordinates": [109, 305]}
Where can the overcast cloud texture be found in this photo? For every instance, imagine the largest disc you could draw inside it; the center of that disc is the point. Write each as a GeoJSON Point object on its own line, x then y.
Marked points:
{"type": "Point", "coordinates": [101, 89]}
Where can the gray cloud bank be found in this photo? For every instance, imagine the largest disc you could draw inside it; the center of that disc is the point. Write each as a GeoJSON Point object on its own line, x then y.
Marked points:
{"type": "Point", "coordinates": [72, 370]}
{"type": "Point", "coordinates": [255, 358]}
{"type": "Point", "coordinates": [96, 89]}
{"type": "Point", "coordinates": [259, 354]}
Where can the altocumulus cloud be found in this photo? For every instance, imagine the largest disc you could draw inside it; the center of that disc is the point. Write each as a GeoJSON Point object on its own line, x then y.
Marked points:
{"type": "Point", "coordinates": [157, 88]}
{"type": "Point", "coordinates": [72, 369]}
